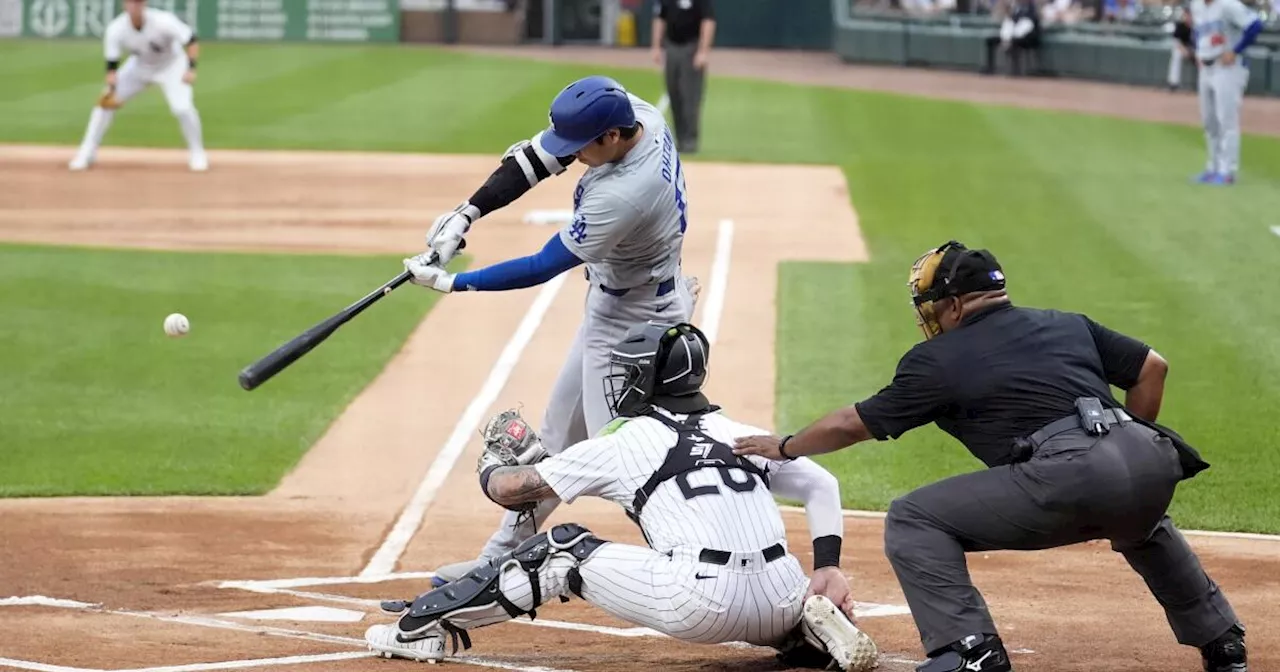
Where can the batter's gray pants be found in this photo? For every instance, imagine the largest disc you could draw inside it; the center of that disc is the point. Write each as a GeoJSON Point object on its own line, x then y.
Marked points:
{"type": "Point", "coordinates": [685, 85]}
{"type": "Point", "coordinates": [1074, 488]}
{"type": "Point", "coordinates": [577, 409]}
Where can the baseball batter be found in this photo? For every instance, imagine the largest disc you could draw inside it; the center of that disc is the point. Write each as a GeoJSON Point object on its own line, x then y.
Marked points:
{"type": "Point", "coordinates": [717, 568]}
{"type": "Point", "coordinates": [629, 219]}
{"type": "Point", "coordinates": [155, 41]}
{"type": "Point", "coordinates": [1223, 29]}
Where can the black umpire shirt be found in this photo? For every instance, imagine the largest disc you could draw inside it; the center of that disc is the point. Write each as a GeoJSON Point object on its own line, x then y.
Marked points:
{"type": "Point", "coordinates": [684, 18]}
{"type": "Point", "coordinates": [1007, 372]}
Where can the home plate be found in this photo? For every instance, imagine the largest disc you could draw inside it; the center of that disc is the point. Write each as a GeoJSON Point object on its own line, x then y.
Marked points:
{"type": "Point", "coordinates": [543, 217]}
{"type": "Point", "coordinates": [319, 614]}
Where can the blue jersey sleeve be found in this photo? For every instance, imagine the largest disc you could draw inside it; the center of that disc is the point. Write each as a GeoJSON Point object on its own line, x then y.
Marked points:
{"type": "Point", "coordinates": [535, 269]}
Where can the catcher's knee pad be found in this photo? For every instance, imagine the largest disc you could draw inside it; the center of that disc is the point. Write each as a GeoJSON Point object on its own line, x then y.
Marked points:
{"type": "Point", "coordinates": [477, 599]}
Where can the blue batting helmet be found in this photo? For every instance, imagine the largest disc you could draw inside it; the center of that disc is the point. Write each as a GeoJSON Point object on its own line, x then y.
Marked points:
{"type": "Point", "coordinates": [584, 111]}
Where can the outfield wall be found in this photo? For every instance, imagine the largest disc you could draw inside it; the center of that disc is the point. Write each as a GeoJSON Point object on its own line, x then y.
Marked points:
{"type": "Point", "coordinates": [1122, 54]}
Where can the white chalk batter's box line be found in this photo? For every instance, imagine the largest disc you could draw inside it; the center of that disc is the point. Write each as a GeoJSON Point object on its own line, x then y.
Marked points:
{"type": "Point", "coordinates": [204, 621]}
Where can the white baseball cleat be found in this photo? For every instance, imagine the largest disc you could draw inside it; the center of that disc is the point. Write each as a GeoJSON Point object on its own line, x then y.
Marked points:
{"type": "Point", "coordinates": [80, 163]}
{"type": "Point", "coordinates": [851, 648]}
{"type": "Point", "coordinates": [199, 162]}
{"type": "Point", "coordinates": [385, 641]}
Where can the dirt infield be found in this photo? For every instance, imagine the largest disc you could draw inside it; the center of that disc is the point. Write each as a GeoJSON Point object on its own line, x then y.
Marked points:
{"type": "Point", "coordinates": [386, 494]}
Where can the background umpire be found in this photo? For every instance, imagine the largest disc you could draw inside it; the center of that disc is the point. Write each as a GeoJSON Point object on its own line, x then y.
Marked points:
{"type": "Point", "coordinates": [684, 29]}
{"type": "Point", "coordinates": [1027, 391]}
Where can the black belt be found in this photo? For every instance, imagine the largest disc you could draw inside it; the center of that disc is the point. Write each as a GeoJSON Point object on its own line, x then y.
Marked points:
{"type": "Point", "coordinates": [722, 557]}
{"type": "Point", "coordinates": [1208, 62]}
{"type": "Point", "coordinates": [664, 288]}
{"type": "Point", "coordinates": [1022, 448]}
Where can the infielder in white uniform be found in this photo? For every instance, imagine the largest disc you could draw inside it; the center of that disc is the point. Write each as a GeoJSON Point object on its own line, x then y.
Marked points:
{"type": "Point", "coordinates": [628, 228]}
{"type": "Point", "coordinates": [1223, 29]}
{"type": "Point", "coordinates": [717, 568]}
{"type": "Point", "coordinates": [155, 41]}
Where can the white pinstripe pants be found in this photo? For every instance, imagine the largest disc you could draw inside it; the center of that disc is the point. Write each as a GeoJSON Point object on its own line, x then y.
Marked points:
{"type": "Point", "coordinates": [675, 594]}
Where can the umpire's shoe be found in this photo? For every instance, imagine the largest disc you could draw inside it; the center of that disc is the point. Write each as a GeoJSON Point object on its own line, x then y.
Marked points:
{"type": "Point", "coordinates": [975, 653]}
{"type": "Point", "coordinates": [1226, 653]}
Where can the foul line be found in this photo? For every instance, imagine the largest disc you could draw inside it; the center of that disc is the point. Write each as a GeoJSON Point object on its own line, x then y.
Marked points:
{"type": "Point", "coordinates": [271, 585]}
{"type": "Point", "coordinates": [719, 281]}
{"type": "Point", "coordinates": [384, 561]}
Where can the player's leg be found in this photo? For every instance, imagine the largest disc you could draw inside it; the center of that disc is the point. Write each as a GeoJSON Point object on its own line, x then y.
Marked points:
{"type": "Point", "coordinates": [545, 566]}
{"type": "Point", "coordinates": [1228, 98]}
{"type": "Point", "coordinates": [1174, 78]}
{"type": "Point", "coordinates": [181, 98]}
{"type": "Point", "coordinates": [1209, 119]}
{"type": "Point", "coordinates": [129, 81]}
{"type": "Point", "coordinates": [562, 426]}
{"type": "Point", "coordinates": [695, 84]}
{"type": "Point", "coordinates": [679, 61]}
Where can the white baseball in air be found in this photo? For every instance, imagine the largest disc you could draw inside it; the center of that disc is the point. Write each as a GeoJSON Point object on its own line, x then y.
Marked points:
{"type": "Point", "coordinates": [176, 325]}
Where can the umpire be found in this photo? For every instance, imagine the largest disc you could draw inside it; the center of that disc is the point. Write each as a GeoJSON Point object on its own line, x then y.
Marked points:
{"type": "Point", "coordinates": [684, 29]}
{"type": "Point", "coordinates": [1027, 391]}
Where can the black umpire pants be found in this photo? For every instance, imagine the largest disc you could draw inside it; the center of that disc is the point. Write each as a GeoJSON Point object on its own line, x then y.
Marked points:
{"type": "Point", "coordinates": [685, 85]}
{"type": "Point", "coordinates": [1075, 488]}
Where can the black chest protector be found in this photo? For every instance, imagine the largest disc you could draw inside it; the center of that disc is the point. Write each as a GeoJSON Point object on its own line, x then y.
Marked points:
{"type": "Point", "coordinates": [696, 450]}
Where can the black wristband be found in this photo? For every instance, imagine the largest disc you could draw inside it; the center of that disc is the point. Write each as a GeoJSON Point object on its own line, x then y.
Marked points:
{"type": "Point", "coordinates": [826, 551]}
{"type": "Point", "coordinates": [192, 63]}
{"type": "Point", "coordinates": [782, 445]}
{"type": "Point", "coordinates": [112, 66]}
{"type": "Point", "coordinates": [484, 479]}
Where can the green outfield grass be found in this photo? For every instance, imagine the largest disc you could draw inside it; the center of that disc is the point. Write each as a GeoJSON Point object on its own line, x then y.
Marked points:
{"type": "Point", "coordinates": [98, 400]}
{"type": "Point", "coordinates": [1086, 213]}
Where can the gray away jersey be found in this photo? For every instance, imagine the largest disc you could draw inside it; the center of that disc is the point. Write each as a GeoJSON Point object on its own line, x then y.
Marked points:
{"type": "Point", "coordinates": [1218, 25]}
{"type": "Point", "coordinates": [617, 463]}
{"type": "Point", "coordinates": [629, 217]}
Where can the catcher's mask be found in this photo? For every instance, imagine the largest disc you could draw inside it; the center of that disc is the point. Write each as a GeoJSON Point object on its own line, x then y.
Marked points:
{"type": "Point", "coordinates": [660, 364]}
{"type": "Point", "coordinates": [948, 271]}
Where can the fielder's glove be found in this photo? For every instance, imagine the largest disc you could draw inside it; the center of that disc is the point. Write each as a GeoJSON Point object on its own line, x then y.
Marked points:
{"type": "Point", "coordinates": [509, 441]}
{"type": "Point", "coordinates": [445, 237]}
{"type": "Point", "coordinates": [107, 100]}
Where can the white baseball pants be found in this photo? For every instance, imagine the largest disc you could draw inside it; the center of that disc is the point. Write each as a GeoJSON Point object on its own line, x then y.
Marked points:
{"type": "Point", "coordinates": [1221, 94]}
{"type": "Point", "coordinates": [131, 79]}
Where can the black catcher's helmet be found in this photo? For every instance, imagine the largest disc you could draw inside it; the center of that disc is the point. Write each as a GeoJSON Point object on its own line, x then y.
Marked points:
{"type": "Point", "coordinates": [659, 364]}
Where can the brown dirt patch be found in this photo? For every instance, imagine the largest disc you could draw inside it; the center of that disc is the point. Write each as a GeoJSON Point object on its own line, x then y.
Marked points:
{"type": "Point", "coordinates": [166, 556]}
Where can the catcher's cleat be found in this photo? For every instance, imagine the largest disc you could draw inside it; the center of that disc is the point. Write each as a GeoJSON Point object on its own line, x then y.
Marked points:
{"type": "Point", "coordinates": [80, 163]}
{"type": "Point", "coordinates": [975, 653]}
{"type": "Point", "coordinates": [386, 641]}
{"type": "Point", "coordinates": [1226, 653]}
{"type": "Point", "coordinates": [828, 628]}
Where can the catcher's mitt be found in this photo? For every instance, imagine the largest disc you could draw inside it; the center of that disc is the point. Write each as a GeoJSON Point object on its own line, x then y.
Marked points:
{"type": "Point", "coordinates": [509, 441]}
{"type": "Point", "coordinates": [107, 100]}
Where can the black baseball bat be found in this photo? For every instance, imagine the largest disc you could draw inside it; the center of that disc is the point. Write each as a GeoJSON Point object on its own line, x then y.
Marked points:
{"type": "Point", "coordinates": [262, 370]}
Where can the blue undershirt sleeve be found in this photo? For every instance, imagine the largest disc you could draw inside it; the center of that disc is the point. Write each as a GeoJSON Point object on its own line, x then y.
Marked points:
{"type": "Point", "coordinates": [1250, 34]}
{"type": "Point", "coordinates": [535, 269]}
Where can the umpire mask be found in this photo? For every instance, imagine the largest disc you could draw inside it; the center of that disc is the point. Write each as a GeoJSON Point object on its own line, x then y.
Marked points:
{"type": "Point", "coordinates": [949, 271]}
{"type": "Point", "coordinates": [658, 360]}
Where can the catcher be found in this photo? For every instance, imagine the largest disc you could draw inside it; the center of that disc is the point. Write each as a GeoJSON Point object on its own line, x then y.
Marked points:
{"type": "Point", "coordinates": [717, 567]}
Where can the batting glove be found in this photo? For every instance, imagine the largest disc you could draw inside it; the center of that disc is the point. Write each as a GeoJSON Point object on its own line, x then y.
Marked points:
{"type": "Point", "coordinates": [446, 234]}
{"type": "Point", "coordinates": [428, 274]}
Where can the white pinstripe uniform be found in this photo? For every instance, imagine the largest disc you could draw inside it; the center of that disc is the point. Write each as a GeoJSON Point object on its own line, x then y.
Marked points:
{"type": "Point", "coordinates": [666, 587]}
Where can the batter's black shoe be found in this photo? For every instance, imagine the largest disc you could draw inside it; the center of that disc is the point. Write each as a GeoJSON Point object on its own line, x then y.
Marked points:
{"type": "Point", "coordinates": [1226, 653]}
{"type": "Point", "coordinates": [975, 653]}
